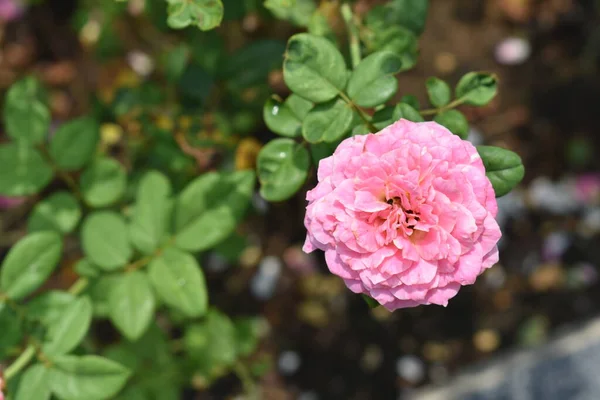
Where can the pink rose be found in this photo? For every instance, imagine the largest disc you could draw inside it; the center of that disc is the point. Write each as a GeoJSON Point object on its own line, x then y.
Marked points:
{"type": "Point", "coordinates": [405, 216]}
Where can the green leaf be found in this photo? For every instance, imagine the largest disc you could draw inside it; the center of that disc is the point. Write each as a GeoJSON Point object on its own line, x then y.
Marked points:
{"type": "Point", "coordinates": [12, 332]}
{"type": "Point", "coordinates": [371, 302]}
{"type": "Point", "coordinates": [403, 110]}
{"type": "Point", "coordinates": [66, 332]}
{"type": "Point", "coordinates": [103, 182]}
{"type": "Point", "coordinates": [86, 377]}
{"type": "Point", "coordinates": [455, 121]}
{"type": "Point", "coordinates": [410, 14]}
{"type": "Point", "coordinates": [296, 11]}
{"type": "Point", "coordinates": [314, 68]}
{"type": "Point", "coordinates": [372, 82]}
{"type": "Point", "coordinates": [24, 171]}
{"type": "Point", "coordinates": [74, 143]}
{"type": "Point", "coordinates": [86, 269]}
{"type": "Point", "coordinates": [105, 241]}
{"type": "Point", "coordinates": [327, 122]}
{"type": "Point", "coordinates": [247, 335]}
{"type": "Point", "coordinates": [411, 101]}
{"type": "Point", "coordinates": [49, 307]}
{"type": "Point", "coordinates": [34, 384]}
{"type": "Point", "coordinates": [210, 207]}
{"type": "Point", "coordinates": [397, 40]}
{"type": "Point", "coordinates": [477, 88]}
{"type": "Point", "coordinates": [503, 168]}
{"type": "Point", "coordinates": [152, 212]}
{"type": "Point", "coordinates": [205, 14]}
{"type": "Point", "coordinates": [250, 65]}
{"type": "Point", "coordinates": [380, 120]}
{"type": "Point", "coordinates": [438, 91]}
{"type": "Point", "coordinates": [319, 151]}
{"type": "Point", "coordinates": [175, 61]}
{"type": "Point", "coordinates": [60, 212]}
{"type": "Point", "coordinates": [282, 167]}
{"type": "Point", "coordinates": [131, 304]}
{"type": "Point", "coordinates": [179, 282]}
{"type": "Point", "coordinates": [26, 117]}
{"type": "Point", "coordinates": [29, 263]}
{"type": "Point", "coordinates": [211, 343]}
{"type": "Point", "coordinates": [285, 118]}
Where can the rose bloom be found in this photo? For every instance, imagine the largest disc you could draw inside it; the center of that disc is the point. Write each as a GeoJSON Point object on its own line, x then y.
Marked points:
{"type": "Point", "coordinates": [405, 216]}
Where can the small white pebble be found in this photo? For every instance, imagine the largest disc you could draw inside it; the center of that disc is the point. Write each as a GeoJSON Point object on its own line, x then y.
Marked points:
{"type": "Point", "coordinates": [512, 51]}
{"type": "Point", "coordinates": [140, 62]}
{"type": "Point", "coordinates": [289, 362]}
{"type": "Point", "coordinates": [410, 368]}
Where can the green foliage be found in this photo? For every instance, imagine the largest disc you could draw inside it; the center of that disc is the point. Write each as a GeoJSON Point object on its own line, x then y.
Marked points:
{"type": "Point", "coordinates": [158, 174]}
{"type": "Point", "coordinates": [503, 167]}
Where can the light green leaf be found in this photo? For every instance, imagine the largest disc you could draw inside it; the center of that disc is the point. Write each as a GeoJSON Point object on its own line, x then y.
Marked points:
{"type": "Point", "coordinates": [285, 118]}
{"type": "Point", "coordinates": [372, 82]}
{"type": "Point", "coordinates": [504, 168]}
{"type": "Point", "coordinates": [403, 110]}
{"type": "Point", "coordinates": [49, 307]}
{"type": "Point", "coordinates": [34, 384]}
{"type": "Point", "coordinates": [296, 11]}
{"type": "Point", "coordinates": [74, 143]}
{"type": "Point", "coordinates": [152, 212]}
{"type": "Point", "coordinates": [205, 14]}
{"type": "Point", "coordinates": [29, 263]}
{"type": "Point", "coordinates": [438, 91]}
{"type": "Point", "coordinates": [26, 117]}
{"type": "Point", "coordinates": [86, 269]}
{"type": "Point", "coordinates": [282, 167]}
{"type": "Point", "coordinates": [314, 68]}
{"type": "Point", "coordinates": [477, 88]}
{"type": "Point", "coordinates": [131, 304]}
{"type": "Point", "coordinates": [66, 332]}
{"type": "Point", "coordinates": [86, 377]}
{"type": "Point", "coordinates": [179, 282]}
{"type": "Point", "coordinates": [60, 212]}
{"type": "Point", "coordinates": [105, 241]}
{"type": "Point", "coordinates": [103, 182]}
{"type": "Point", "coordinates": [210, 207]}
{"type": "Point", "coordinates": [455, 121]}
{"type": "Point", "coordinates": [24, 171]}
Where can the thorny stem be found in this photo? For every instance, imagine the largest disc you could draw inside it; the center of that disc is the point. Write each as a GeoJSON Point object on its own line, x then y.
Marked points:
{"type": "Point", "coordinates": [449, 106]}
{"type": "Point", "coordinates": [352, 34]}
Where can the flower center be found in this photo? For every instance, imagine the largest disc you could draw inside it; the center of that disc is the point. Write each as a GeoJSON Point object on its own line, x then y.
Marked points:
{"type": "Point", "coordinates": [406, 216]}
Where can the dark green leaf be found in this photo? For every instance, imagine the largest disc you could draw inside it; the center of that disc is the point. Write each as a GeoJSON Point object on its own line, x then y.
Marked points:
{"type": "Point", "coordinates": [211, 343]}
{"type": "Point", "coordinates": [295, 11]}
{"type": "Point", "coordinates": [24, 171]}
{"type": "Point", "coordinates": [455, 121]}
{"type": "Point", "coordinates": [504, 168]}
{"type": "Point", "coordinates": [210, 207]}
{"type": "Point", "coordinates": [477, 88]}
{"type": "Point", "coordinates": [438, 91]}
{"type": "Point", "coordinates": [408, 13]}
{"type": "Point", "coordinates": [60, 212]}
{"type": "Point", "coordinates": [86, 377]}
{"type": "Point", "coordinates": [282, 167]}
{"type": "Point", "coordinates": [327, 122]}
{"type": "Point", "coordinates": [66, 332]}
{"type": "Point", "coordinates": [285, 118]}
{"type": "Point", "coordinates": [105, 241]}
{"type": "Point", "coordinates": [12, 333]}
{"type": "Point", "coordinates": [74, 143]}
{"type": "Point", "coordinates": [314, 68]}
{"type": "Point", "coordinates": [397, 40]}
{"type": "Point", "coordinates": [131, 304]}
{"type": "Point", "coordinates": [86, 269]}
{"type": "Point", "coordinates": [372, 82]}
{"type": "Point", "coordinates": [319, 151]}
{"type": "Point", "coordinates": [411, 101]}
{"type": "Point", "coordinates": [251, 65]}
{"type": "Point", "coordinates": [175, 61]}
{"type": "Point", "coordinates": [152, 212]}
{"type": "Point", "coordinates": [35, 384]}
{"type": "Point", "coordinates": [103, 182]}
{"type": "Point", "coordinates": [26, 117]}
{"type": "Point", "coordinates": [29, 263]}
{"type": "Point", "coordinates": [247, 335]}
{"type": "Point", "coordinates": [179, 282]}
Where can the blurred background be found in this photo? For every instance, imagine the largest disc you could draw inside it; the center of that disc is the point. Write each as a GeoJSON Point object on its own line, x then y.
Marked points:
{"type": "Point", "coordinates": [320, 341]}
